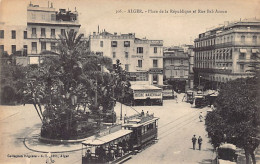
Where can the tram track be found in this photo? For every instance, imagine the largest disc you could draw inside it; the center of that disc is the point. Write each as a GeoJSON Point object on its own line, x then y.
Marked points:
{"type": "Point", "coordinates": [178, 123]}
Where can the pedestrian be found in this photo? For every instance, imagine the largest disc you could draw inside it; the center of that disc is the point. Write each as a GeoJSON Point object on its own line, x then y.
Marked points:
{"type": "Point", "coordinates": [199, 142]}
{"type": "Point", "coordinates": [147, 113]}
{"type": "Point", "coordinates": [176, 98]}
{"type": "Point", "coordinates": [142, 113]}
{"type": "Point", "coordinates": [194, 139]}
{"type": "Point", "coordinates": [49, 159]}
{"type": "Point", "coordinates": [200, 117]}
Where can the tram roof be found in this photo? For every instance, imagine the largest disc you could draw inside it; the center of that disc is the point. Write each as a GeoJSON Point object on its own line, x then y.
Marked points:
{"type": "Point", "coordinates": [96, 141]}
{"type": "Point", "coordinates": [145, 87]}
{"type": "Point", "coordinates": [227, 146]}
{"type": "Point", "coordinates": [136, 124]}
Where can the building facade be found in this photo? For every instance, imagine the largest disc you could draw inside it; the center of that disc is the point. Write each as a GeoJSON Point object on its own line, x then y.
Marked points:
{"type": "Point", "coordinates": [176, 67]}
{"type": "Point", "coordinates": [41, 33]}
{"type": "Point", "coordinates": [226, 52]}
{"type": "Point", "coordinates": [141, 58]}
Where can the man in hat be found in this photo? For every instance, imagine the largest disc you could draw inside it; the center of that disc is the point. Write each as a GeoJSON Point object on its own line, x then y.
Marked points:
{"type": "Point", "coordinates": [194, 139]}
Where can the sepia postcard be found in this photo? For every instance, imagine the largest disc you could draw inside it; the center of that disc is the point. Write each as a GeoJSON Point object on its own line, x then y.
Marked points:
{"type": "Point", "coordinates": [125, 81]}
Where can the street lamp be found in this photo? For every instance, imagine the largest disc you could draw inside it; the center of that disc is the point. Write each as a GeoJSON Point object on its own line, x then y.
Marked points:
{"type": "Point", "coordinates": [199, 80]}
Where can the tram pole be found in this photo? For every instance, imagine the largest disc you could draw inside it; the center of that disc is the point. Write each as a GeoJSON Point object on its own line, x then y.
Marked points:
{"type": "Point", "coordinates": [121, 111]}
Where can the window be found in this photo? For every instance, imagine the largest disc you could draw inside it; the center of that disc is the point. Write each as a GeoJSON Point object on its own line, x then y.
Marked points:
{"type": "Point", "coordinates": [34, 35]}
{"type": "Point", "coordinates": [34, 46]}
{"type": "Point", "coordinates": [155, 79]}
{"type": "Point", "coordinates": [140, 50]}
{"type": "Point", "coordinates": [127, 67]}
{"type": "Point", "coordinates": [42, 32]}
{"type": "Point", "coordinates": [53, 46]}
{"type": "Point", "coordinates": [140, 63]}
{"type": "Point", "coordinates": [126, 54]}
{"type": "Point", "coordinates": [25, 34]}
{"type": "Point", "coordinates": [242, 56]}
{"type": "Point", "coordinates": [62, 32]}
{"type": "Point", "coordinates": [114, 54]}
{"type": "Point", "coordinates": [155, 50]}
{"type": "Point", "coordinates": [255, 39]}
{"type": "Point", "coordinates": [241, 67]}
{"type": "Point", "coordinates": [2, 34]}
{"type": "Point", "coordinates": [253, 56]}
{"type": "Point", "coordinates": [53, 35]}
{"type": "Point", "coordinates": [33, 16]}
{"type": "Point", "coordinates": [181, 61]}
{"type": "Point", "coordinates": [13, 34]}
{"type": "Point", "coordinates": [126, 43]}
{"type": "Point", "coordinates": [141, 76]}
{"type": "Point", "coordinates": [101, 44]}
{"type": "Point", "coordinates": [2, 49]}
{"type": "Point", "coordinates": [53, 17]}
{"type": "Point", "coordinates": [155, 63]}
{"type": "Point", "coordinates": [43, 46]}
{"type": "Point", "coordinates": [181, 73]}
{"type": "Point", "coordinates": [113, 43]}
{"type": "Point", "coordinates": [243, 38]}
{"type": "Point", "coordinates": [25, 51]}
{"type": "Point", "coordinates": [13, 49]}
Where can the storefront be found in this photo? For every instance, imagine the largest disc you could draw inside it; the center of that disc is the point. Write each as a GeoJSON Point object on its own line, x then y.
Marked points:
{"type": "Point", "coordinates": [147, 95]}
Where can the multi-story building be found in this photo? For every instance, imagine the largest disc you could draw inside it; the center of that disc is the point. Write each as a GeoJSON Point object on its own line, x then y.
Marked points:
{"type": "Point", "coordinates": [226, 52]}
{"type": "Point", "coordinates": [141, 58]}
{"type": "Point", "coordinates": [11, 38]}
{"type": "Point", "coordinates": [40, 33]}
{"type": "Point", "coordinates": [176, 67]}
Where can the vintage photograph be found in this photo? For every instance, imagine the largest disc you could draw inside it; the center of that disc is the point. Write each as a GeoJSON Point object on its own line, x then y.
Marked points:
{"type": "Point", "coordinates": [134, 82]}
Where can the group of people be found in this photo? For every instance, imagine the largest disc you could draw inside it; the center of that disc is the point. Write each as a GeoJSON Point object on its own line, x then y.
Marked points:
{"type": "Point", "coordinates": [142, 113]}
{"type": "Point", "coordinates": [194, 140]}
{"type": "Point", "coordinates": [108, 153]}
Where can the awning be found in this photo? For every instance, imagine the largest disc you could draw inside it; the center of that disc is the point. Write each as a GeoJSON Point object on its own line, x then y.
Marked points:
{"type": "Point", "coordinates": [243, 50]}
{"type": "Point", "coordinates": [91, 141]}
{"type": "Point", "coordinates": [255, 50]}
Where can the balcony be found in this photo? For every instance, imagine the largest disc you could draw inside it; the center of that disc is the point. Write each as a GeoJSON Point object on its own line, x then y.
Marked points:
{"type": "Point", "coordinates": [34, 51]}
{"type": "Point", "coordinates": [43, 36]}
{"type": "Point", "coordinates": [243, 60]}
{"type": "Point", "coordinates": [34, 36]}
{"type": "Point", "coordinates": [213, 70]}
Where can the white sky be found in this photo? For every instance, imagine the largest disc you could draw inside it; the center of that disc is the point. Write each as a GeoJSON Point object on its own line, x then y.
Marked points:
{"type": "Point", "coordinates": [174, 29]}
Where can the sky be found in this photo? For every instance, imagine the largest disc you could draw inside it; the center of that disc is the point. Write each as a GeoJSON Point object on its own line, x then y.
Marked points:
{"type": "Point", "coordinates": [114, 16]}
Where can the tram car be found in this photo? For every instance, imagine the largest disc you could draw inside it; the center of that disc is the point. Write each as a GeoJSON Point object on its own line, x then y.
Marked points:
{"type": "Point", "coordinates": [119, 142]}
{"type": "Point", "coordinates": [226, 154]}
{"type": "Point", "coordinates": [144, 130]}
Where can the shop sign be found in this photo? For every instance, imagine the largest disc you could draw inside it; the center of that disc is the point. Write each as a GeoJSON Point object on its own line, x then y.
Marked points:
{"type": "Point", "coordinates": [147, 94]}
{"type": "Point", "coordinates": [156, 71]}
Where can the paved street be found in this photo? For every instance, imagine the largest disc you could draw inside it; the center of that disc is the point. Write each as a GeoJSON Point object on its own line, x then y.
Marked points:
{"type": "Point", "coordinates": [178, 122]}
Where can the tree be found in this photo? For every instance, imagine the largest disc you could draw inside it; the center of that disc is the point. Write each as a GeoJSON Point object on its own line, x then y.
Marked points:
{"type": "Point", "coordinates": [63, 84]}
{"type": "Point", "coordinates": [236, 117]}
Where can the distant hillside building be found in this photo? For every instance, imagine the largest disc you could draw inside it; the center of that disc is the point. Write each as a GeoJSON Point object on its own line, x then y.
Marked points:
{"type": "Point", "coordinates": [226, 52]}
{"type": "Point", "coordinates": [141, 58]}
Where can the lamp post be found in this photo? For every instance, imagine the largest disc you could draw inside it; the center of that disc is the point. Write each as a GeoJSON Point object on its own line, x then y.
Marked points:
{"type": "Point", "coordinates": [199, 80]}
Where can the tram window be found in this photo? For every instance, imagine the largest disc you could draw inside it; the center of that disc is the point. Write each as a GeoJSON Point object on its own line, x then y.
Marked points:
{"type": "Point", "coordinates": [139, 132]}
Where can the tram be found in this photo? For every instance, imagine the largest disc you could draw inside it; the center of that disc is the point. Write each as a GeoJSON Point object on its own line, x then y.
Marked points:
{"type": "Point", "coordinates": [119, 142]}
{"type": "Point", "coordinates": [226, 154]}
{"type": "Point", "coordinates": [144, 130]}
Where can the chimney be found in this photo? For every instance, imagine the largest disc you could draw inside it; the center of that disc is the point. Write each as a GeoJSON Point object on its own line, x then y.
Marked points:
{"type": "Point", "coordinates": [51, 5]}
{"type": "Point", "coordinates": [115, 33]}
{"type": "Point", "coordinates": [98, 29]}
{"type": "Point", "coordinates": [94, 33]}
